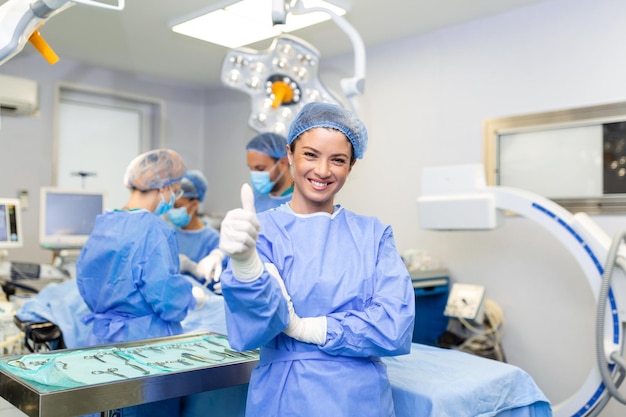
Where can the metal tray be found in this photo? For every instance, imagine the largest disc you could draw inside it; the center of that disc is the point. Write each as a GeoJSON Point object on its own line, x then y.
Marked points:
{"type": "Point", "coordinates": [38, 400]}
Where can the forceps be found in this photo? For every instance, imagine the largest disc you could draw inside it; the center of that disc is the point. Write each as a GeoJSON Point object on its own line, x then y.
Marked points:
{"type": "Point", "coordinates": [127, 363]}
{"type": "Point", "coordinates": [199, 358]}
{"type": "Point", "coordinates": [112, 371]}
{"type": "Point", "coordinates": [20, 364]}
{"type": "Point", "coordinates": [227, 352]}
{"type": "Point", "coordinates": [97, 356]}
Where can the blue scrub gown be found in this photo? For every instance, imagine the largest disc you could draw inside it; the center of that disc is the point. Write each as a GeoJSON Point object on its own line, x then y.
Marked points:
{"type": "Point", "coordinates": [264, 202]}
{"type": "Point", "coordinates": [342, 266]}
{"type": "Point", "coordinates": [128, 275]}
{"type": "Point", "coordinates": [197, 244]}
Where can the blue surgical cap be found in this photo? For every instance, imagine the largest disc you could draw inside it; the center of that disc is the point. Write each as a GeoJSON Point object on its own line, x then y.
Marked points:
{"type": "Point", "coordinates": [154, 169]}
{"type": "Point", "coordinates": [271, 144]}
{"type": "Point", "coordinates": [332, 116]}
{"type": "Point", "coordinates": [194, 185]}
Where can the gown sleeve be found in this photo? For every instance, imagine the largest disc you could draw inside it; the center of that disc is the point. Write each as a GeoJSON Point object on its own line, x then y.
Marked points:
{"type": "Point", "coordinates": [256, 312]}
{"type": "Point", "coordinates": [384, 327]}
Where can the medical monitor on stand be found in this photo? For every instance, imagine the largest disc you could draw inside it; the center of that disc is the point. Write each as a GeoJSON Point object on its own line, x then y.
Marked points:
{"type": "Point", "coordinates": [10, 225]}
{"type": "Point", "coordinates": [10, 232]}
{"type": "Point", "coordinates": [67, 217]}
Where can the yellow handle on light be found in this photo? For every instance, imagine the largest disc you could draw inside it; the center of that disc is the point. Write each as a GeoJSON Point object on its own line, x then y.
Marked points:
{"type": "Point", "coordinates": [282, 93]}
{"type": "Point", "coordinates": [44, 49]}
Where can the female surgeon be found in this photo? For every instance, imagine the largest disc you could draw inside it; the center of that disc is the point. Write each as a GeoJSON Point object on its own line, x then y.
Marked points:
{"type": "Point", "coordinates": [128, 271]}
{"type": "Point", "coordinates": [321, 290]}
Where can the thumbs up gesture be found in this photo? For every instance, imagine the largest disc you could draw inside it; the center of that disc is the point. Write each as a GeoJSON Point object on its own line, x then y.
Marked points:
{"type": "Point", "coordinates": [238, 234]}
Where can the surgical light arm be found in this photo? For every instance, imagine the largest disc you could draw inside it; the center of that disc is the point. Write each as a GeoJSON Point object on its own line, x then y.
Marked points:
{"type": "Point", "coordinates": [457, 198]}
{"type": "Point", "coordinates": [354, 85]}
{"type": "Point", "coordinates": [283, 78]}
{"type": "Point", "coordinates": [20, 21]}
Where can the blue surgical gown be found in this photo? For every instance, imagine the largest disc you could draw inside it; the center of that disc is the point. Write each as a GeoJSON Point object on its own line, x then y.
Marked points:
{"type": "Point", "coordinates": [343, 266]}
{"type": "Point", "coordinates": [197, 244]}
{"type": "Point", "coordinates": [128, 275]}
{"type": "Point", "coordinates": [264, 202]}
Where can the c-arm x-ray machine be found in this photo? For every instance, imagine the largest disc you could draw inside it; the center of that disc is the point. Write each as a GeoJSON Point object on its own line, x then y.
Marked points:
{"type": "Point", "coordinates": [457, 198]}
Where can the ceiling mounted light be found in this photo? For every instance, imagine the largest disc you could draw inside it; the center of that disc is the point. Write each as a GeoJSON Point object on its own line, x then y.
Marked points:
{"type": "Point", "coordinates": [248, 21]}
{"type": "Point", "coordinates": [280, 81]}
{"type": "Point", "coordinates": [283, 78]}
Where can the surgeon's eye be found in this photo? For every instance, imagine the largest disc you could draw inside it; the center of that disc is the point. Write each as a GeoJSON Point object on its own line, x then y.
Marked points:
{"type": "Point", "coordinates": [178, 194]}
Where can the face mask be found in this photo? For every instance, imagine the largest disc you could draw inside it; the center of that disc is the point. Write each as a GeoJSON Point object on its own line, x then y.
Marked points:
{"type": "Point", "coordinates": [261, 180]}
{"type": "Point", "coordinates": [164, 207]}
{"type": "Point", "coordinates": [179, 216]}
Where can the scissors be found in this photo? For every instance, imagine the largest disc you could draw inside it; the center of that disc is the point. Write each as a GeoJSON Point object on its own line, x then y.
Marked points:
{"type": "Point", "coordinates": [97, 356]}
{"type": "Point", "coordinates": [111, 371]}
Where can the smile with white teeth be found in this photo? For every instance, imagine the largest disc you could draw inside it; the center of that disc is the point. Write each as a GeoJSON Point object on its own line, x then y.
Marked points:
{"type": "Point", "coordinates": [319, 184]}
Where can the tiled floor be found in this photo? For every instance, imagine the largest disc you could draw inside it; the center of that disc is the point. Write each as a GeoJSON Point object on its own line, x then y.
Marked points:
{"type": "Point", "coordinates": [7, 410]}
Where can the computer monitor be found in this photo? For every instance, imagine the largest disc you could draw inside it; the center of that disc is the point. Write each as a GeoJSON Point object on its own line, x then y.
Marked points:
{"type": "Point", "coordinates": [10, 224]}
{"type": "Point", "coordinates": [66, 217]}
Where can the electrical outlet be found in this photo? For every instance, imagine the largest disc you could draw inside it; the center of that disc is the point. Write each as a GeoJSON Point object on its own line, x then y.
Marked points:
{"type": "Point", "coordinates": [23, 196]}
{"type": "Point", "coordinates": [466, 301]}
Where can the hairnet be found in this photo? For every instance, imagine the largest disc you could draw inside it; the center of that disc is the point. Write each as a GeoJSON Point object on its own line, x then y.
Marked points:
{"type": "Point", "coordinates": [271, 144]}
{"type": "Point", "coordinates": [194, 185]}
{"type": "Point", "coordinates": [154, 169]}
{"type": "Point", "coordinates": [332, 116]}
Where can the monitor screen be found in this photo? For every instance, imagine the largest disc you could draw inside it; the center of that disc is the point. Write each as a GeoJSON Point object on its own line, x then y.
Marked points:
{"type": "Point", "coordinates": [10, 224]}
{"type": "Point", "coordinates": [67, 217]}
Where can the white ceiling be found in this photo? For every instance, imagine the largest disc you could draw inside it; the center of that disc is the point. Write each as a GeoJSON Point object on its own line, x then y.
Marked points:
{"type": "Point", "coordinates": [139, 40]}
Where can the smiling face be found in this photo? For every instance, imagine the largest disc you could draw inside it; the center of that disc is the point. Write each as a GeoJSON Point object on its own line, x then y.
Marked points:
{"type": "Point", "coordinates": [321, 162]}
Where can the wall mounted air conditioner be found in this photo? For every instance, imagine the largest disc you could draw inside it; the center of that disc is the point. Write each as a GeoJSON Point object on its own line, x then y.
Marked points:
{"type": "Point", "coordinates": [18, 96]}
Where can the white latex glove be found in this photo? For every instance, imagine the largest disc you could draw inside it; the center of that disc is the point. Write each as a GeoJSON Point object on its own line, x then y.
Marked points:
{"type": "Point", "coordinates": [217, 288]}
{"type": "Point", "coordinates": [238, 234]}
{"type": "Point", "coordinates": [307, 329]}
{"type": "Point", "coordinates": [186, 264]}
{"type": "Point", "coordinates": [200, 296]}
{"type": "Point", "coordinates": [210, 267]}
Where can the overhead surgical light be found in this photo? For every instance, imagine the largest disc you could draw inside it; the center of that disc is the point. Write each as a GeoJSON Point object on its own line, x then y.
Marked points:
{"type": "Point", "coordinates": [280, 80]}
{"type": "Point", "coordinates": [283, 78]}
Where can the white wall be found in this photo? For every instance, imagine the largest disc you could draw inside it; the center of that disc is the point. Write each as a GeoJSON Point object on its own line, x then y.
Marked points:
{"type": "Point", "coordinates": [426, 98]}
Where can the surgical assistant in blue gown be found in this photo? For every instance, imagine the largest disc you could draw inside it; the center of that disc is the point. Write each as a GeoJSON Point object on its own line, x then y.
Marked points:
{"type": "Point", "coordinates": [266, 156]}
{"type": "Point", "coordinates": [337, 266]}
{"type": "Point", "coordinates": [132, 285]}
{"type": "Point", "coordinates": [197, 240]}
{"type": "Point", "coordinates": [128, 271]}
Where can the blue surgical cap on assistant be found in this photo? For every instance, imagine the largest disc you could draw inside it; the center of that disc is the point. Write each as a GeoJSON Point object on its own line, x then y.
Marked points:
{"type": "Point", "coordinates": [332, 116]}
{"type": "Point", "coordinates": [154, 169]}
{"type": "Point", "coordinates": [271, 144]}
{"type": "Point", "coordinates": [194, 185]}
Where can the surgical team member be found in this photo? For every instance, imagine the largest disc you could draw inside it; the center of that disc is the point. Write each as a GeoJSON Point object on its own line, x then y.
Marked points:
{"type": "Point", "coordinates": [266, 155]}
{"type": "Point", "coordinates": [196, 239]}
{"type": "Point", "coordinates": [128, 271]}
{"type": "Point", "coordinates": [321, 290]}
